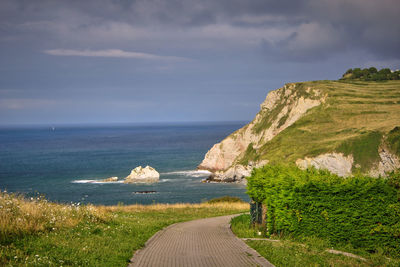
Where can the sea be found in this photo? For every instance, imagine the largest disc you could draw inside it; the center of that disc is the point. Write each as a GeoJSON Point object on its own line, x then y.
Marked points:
{"type": "Point", "coordinates": [65, 163]}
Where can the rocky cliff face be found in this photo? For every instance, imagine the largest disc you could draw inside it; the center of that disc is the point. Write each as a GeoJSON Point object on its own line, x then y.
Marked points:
{"type": "Point", "coordinates": [280, 109]}
{"type": "Point", "coordinates": [325, 103]}
{"type": "Point", "coordinates": [334, 162]}
{"type": "Point", "coordinates": [388, 162]}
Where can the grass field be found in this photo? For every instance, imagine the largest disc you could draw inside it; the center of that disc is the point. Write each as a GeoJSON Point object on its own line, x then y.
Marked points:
{"type": "Point", "coordinates": [307, 251]}
{"type": "Point", "coordinates": [35, 232]}
{"type": "Point", "coordinates": [353, 120]}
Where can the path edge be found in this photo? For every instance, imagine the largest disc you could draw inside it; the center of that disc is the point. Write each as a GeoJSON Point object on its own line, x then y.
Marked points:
{"type": "Point", "coordinates": [257, 256]}
{"type": "Point", "coordinates": [148, 242]}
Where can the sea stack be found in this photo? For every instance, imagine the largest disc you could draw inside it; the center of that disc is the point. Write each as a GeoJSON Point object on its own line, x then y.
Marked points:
{"type": "Point", "coordinates": [142, 175]}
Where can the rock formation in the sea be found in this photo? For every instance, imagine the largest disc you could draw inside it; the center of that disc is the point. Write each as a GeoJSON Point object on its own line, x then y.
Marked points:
{"type": "Point", "coordinates": [110, 179]}
{"type": "Point", "coordinates": [142, 175]}
{"type": "Point", "coordinates": [331, 125]}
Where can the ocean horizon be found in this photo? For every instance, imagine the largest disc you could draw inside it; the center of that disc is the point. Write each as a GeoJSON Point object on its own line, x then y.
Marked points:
{"type": "Point", "coordinates": [65, 162]}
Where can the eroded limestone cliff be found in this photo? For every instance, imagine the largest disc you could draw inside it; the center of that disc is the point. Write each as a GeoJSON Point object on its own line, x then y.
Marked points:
{"type": "Point", "coordinates": [321, 124]}
{"type": "Point", "coordinates": [280, 109]}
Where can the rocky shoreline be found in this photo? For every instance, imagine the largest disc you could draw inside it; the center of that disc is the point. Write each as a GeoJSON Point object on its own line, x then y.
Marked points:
{"type": "Point", "coordinates": [281, 109]}
{"type": "Point", "coordinates": [235, 174]}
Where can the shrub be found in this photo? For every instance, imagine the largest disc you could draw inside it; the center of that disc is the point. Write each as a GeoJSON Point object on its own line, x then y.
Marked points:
{"type": "Point", "coordinates": [372, 70]}
{"type": "Point", "coordinates": [371, 74]}
{"type": "Point", "coordinates": [394, 180]}
{"type": "Point", "coordinates": [356, 73]}
{"type": "Point", "coordinates": [362, 211]}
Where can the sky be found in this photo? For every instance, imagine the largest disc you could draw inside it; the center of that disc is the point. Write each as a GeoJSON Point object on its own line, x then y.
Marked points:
{"type": "Point", "coordinates": [120, 61]}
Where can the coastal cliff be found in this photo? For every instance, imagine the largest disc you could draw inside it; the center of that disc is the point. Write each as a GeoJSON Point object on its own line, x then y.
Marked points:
{"type": "Point", "coordinates": [341, 126]}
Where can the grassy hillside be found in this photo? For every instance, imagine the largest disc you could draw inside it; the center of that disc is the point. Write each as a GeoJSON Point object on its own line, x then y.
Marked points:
{"type": "Point", "coordinates": [306, 251]}
{"type": "Point", "coordinates": [36, 232]}
{"type": "Point", "coordinates": [356, 118]}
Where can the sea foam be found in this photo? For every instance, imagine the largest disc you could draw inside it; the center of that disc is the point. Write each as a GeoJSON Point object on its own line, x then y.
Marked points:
{"type": "Point", "coordinates": [191, 173]}
{"type": "Point", "coordinates": [94, 182]}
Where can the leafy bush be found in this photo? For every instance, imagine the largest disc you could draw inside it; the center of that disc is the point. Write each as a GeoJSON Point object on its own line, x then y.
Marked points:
{"type": "Point", "coordinates": [371, 74]}
{"type": "Point", "coordinates": [362, 211]}
{"type": "Point", "coordinates": [394, 180]}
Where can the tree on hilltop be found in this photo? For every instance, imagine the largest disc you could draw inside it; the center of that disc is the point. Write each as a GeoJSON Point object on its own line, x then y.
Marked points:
{"type": "Point", "coordinates": [371, 74]}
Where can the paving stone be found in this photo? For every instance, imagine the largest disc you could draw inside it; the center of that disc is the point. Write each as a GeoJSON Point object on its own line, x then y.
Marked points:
{"type": "Point", "coordinates": [204, 242]}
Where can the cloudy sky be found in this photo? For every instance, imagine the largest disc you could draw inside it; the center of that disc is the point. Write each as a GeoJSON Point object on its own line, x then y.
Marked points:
{"type": "Point", "coordinates": [123, 61]}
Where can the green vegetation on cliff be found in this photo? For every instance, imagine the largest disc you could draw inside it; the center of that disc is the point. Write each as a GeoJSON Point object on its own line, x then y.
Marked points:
{"type": "Point", "coordinates": [249, 154]}
{"type": "Point", "coordinates": [393, 140]}
{"type": "Point", "coordinates": [355, 117]}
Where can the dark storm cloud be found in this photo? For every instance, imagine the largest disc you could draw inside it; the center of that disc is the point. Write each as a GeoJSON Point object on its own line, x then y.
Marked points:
{"type": "Point", "coordinates": [60, 54]}
{"type": "Point", "coordinates": [290, 30]}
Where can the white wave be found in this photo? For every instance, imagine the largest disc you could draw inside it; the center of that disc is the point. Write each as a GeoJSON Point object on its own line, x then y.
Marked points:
{"type": "Point", "coordinates": [144, 192]}
{"type": "Point", "coordinates": [94, 182]}
{"type": "Point", "coordinates": [192, 173]}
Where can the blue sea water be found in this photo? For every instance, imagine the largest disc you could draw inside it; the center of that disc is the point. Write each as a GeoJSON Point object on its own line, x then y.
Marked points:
{"type": "Point", "coordinates": [63, 163]}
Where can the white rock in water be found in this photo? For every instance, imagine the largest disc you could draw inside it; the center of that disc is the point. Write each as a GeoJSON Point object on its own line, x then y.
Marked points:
{"type": "Point", "coordinates": [143, 175]}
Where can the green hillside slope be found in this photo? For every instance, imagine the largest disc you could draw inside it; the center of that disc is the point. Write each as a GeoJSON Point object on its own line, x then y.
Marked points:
{"type": "Point", "coordinates": [357, 117]}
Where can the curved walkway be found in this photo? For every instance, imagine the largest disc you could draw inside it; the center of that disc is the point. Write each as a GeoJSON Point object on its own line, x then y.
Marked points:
{"type": "Point", "coordinates": [204, 242]}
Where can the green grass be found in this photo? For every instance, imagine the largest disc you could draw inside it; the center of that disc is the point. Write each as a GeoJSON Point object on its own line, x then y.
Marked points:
{"type": "Point", "coordinates": [305, 251]}
{"type": "Point", "coordinates": [265, 122]}
{"type": "Point", "coordinates": [353, 112]}
{"type": "Point", "coordinates": [242, 228]}
{"type": "Point", "coordinates": [283, 120]}
{"type": "Point", "coordinates": [393, 139]}
{"type": "Point", "coordinates": [364, 149]}
{"type": "Point", "coordinates": [107, 242]}
{"type": "Point", "coordinates": [250, 153]}
{"type": "Point", "coordinates": [94, 244]}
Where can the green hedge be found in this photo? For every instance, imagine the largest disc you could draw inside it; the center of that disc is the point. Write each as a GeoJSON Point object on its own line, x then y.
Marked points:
{"type": "Point", "coordinates": [362, 211]}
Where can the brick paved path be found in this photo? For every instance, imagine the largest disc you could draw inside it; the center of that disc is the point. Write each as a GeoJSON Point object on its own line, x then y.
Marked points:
{"type": "Point", "coordinates": [204, 242]}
